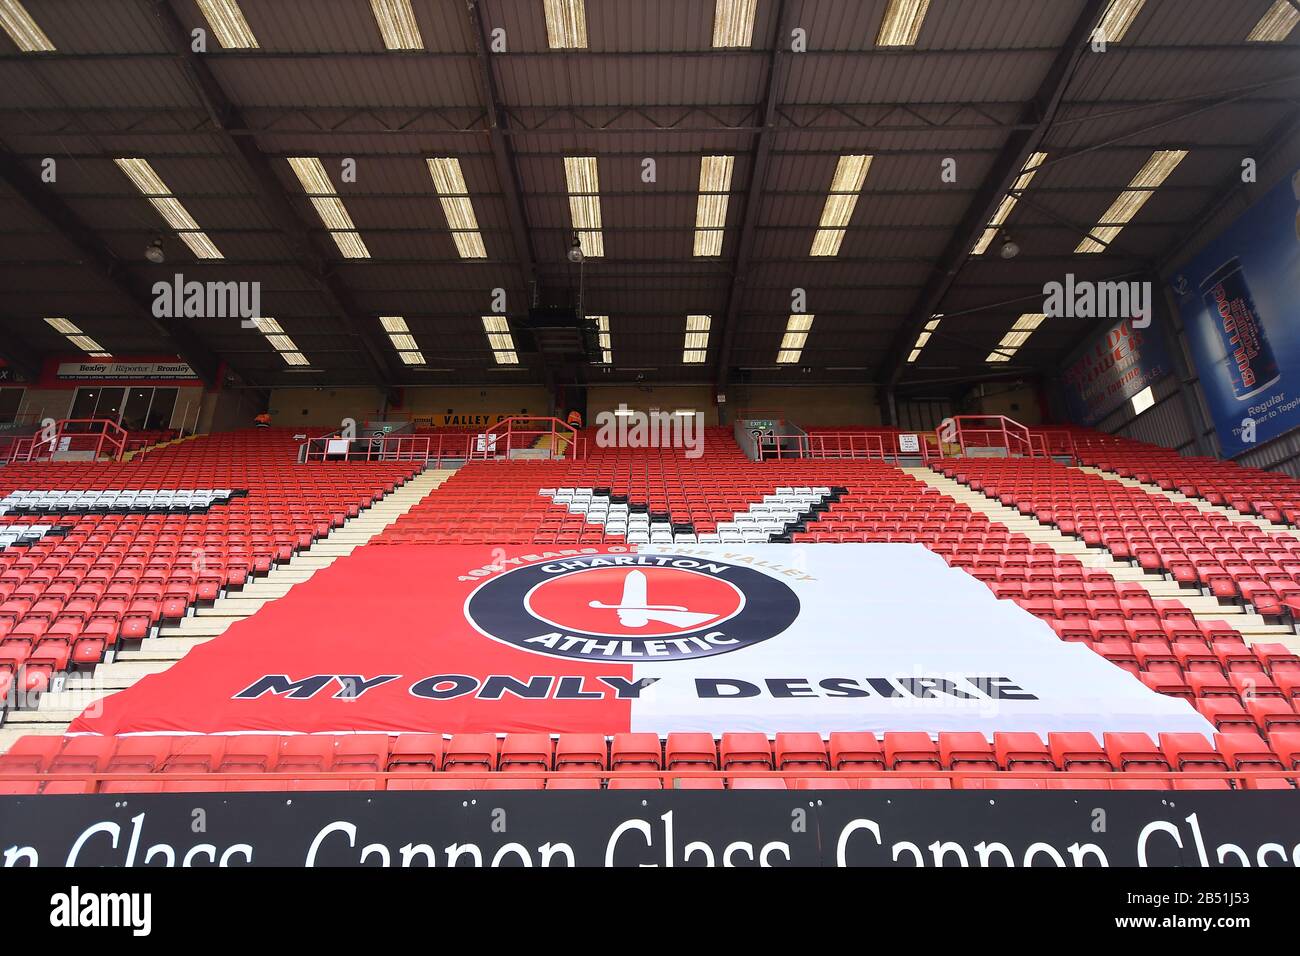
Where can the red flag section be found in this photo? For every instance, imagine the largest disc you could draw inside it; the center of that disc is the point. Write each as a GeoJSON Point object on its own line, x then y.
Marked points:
{"type": "Point", "coordinates": [378, 641]}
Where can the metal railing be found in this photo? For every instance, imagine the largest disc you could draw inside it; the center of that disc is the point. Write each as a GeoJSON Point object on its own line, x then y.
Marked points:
{"type": "Point", "coordinates": [993, 431]}
{"type": "Point", "coordinates": [848, 445]}
{"type": "Point", "coordinates": [99, 436]}
{"type": "Point", "coordinates": [1053, 443]}
{"type": "Point", "coordinates": [527, 431]}
{"type": "Point", "coordinates": [432, 449]}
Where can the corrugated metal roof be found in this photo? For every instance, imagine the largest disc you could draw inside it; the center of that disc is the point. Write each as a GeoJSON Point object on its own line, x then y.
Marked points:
{"type": "Point", "coordinates": [649, 86]}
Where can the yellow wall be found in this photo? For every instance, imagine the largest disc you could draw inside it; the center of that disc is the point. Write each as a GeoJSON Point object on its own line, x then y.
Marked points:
{"type": "Point", "coordinates": [329, 406]}
{"type": "Point", "coordinates": [323, 406]}
{"type": "Point", "coordinates": [809, 404]}
{"type": "Point", "coordinates": [474, 406]}
{"type": "Point", "coordinates": [664, 398]}
{"type": "Point", "coordinates": [999, 401]}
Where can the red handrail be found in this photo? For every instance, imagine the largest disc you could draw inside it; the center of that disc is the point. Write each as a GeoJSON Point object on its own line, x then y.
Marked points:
{"type": "Point", "coordinates": [860, 445]}
{"type": "Point", "coordinates": [1054, 442]}
{"type": "Point", "coordinates": [108, 436]}
{"type": "Point", "coordinates": [993, 431]}
{"type": "Point", "coordinates": [437, 450]}
{"type": "Point", "coordinates": [526, 431]}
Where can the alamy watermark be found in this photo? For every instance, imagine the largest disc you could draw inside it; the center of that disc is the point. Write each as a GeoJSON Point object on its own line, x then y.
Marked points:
{"type": "Point", "coordinates": [628, 428]}
{"type": "Point", "coordinates": [1084, 299]}
{"type": "Point", "coordinates": [207, 300]}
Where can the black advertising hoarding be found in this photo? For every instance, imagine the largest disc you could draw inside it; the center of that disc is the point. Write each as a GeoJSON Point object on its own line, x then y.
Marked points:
{"type": "Point", "coordinates": [656, 828]}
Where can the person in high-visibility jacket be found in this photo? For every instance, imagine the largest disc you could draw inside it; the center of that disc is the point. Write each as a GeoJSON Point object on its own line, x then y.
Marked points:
{"type": "Point", "coordinates": [262, 420]}
{"type": "Point", "coordinates": [575, 418]}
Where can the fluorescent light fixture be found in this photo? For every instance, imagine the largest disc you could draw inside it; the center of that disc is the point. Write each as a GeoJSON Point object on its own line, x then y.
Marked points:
{"type": "Point", "coordinates": [228, 23]}
{"type": "Point", "coordinates": [924, 337]}
{"type": "Point", "coordinates": [792, 342]}
{"type": "Point", "coordinates": [711, 205]}
{"type": "Point", "coordinates": [145, 179]}
{"type": "Point", "coordinates": [449, 181]}
{"type": "Point", "coordinates": [64, 326]}
{"type": "Point", "coordinates": [403, 341]}
{"type": "Point", "coordinates": [1119, 16]}
{"type": "Point", "coordinates": [311, 174]}
{"type": "Point", "coordinates": [267, 325]}
{"type": "Point", "coordinates": [80, 339]}
{"type": "Point", "coordinates": [502, 343]}
{"type": "Point", "coordinates": [581, 175]}
{"type": "Point", "coordinates": [1008, 202]}
{"type": "Point", "coordinates": [733, 23]}
{"type": "Point", "coordinates": [22, 29]}
{"type": "Point", "coordinates": [695, 348]}
{"type": "Point", "coordinates": [603, 336]}
{"type": "Point", "coordinates": [1149, 178]}
{"type": "Point", "coordinates": [566, 24]}
{"type": "Point", "coordinates": [850, 174]}
{"type": "Point", "coordinates": [1143, 400]}
{"type": "Point", "coordinates": [1019, 334]}
{"type": "Point", "coordinates": [275, 336]}
{"type": "Point", "coordinates": [1030, 321]}
{"type": "Point", "coordinates": [397, 24]}
{"type": "Point", "coordinates": [1275, 25]}
{"type": "Point", "coordinates": [902, 22]}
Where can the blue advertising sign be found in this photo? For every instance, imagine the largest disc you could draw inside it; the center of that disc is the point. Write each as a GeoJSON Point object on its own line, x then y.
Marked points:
{"type": "Point", "coordinates": [1239, 299]}
{"type": "Point", "coordinates": [1111, 368]}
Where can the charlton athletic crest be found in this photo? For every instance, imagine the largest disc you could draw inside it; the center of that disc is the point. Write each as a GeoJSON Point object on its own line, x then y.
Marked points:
{"type": "Point", "coordinates": [635, 607]}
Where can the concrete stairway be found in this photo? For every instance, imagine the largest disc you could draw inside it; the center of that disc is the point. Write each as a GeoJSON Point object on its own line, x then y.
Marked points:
{"type": "Point", "coordinates": [60, 706]}
{"type": "Point", "coordinates": [162, 444]}
{"type": "Point", "coordinates": [1251, 626]}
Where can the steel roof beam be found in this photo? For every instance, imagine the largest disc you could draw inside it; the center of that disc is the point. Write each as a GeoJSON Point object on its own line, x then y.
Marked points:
{"type": "Point", "coordinates": [725, 331]}
{"type": "Point", "coordinates": [502, 153]}
{"type": "Point", "coordinates": [226, 117]}
{"type": "Point", "coordinates": [93, 253]}
{"type": "Point", "coordinates": [1011, 160]}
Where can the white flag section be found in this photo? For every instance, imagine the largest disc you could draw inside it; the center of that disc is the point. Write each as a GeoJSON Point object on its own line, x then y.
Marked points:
{"type": "Point", "coordinates": [885, 637]}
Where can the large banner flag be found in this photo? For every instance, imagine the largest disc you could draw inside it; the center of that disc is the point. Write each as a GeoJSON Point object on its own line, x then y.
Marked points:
{"type": "Point", "coordinates": [452, 639]}
{"type": "Point", "coordinates": [1112, 367]}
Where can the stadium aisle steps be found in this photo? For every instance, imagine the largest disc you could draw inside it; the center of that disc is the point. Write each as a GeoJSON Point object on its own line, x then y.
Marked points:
{"type": "Point", "coordinates": [137, 452]}
{"type": "Point", "coordinates": [1251, 626]}
{"type": "Point", "coordinates": [58, 709]}
{"type": "Point", "coordinates": [1200, 504]}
